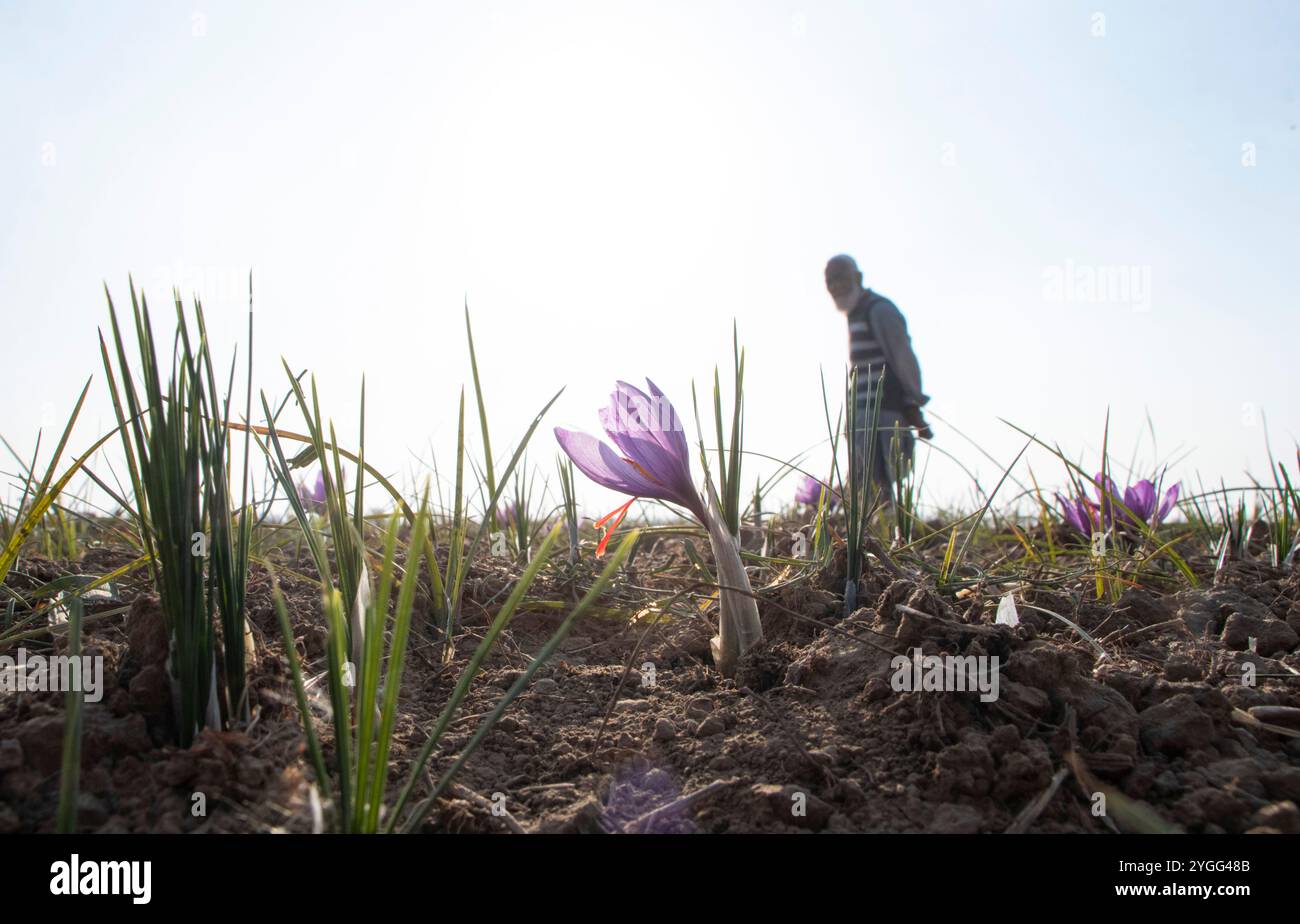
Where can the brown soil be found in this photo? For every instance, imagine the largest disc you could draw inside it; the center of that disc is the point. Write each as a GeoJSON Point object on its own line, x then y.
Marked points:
{"type": "Point", "coordinates": [629, 718]}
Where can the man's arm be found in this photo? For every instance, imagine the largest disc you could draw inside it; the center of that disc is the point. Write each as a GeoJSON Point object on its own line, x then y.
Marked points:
{"type": "Point", "coordinates": [891, 330]}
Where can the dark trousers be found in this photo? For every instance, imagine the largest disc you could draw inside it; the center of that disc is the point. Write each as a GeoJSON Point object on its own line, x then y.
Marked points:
{"type": "Point", "coordinates": [891, 452]}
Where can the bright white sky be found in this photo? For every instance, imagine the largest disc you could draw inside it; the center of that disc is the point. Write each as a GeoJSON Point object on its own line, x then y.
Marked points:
{"type": "Point", "coordinates": [610, 184]}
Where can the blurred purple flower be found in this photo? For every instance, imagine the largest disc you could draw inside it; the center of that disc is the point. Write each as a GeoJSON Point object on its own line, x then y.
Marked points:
{"type": "Point", "coordinates": [652, 458]}
{"type": "Point", "coordinates": [810, 490]}
{"type": "Point", "coordinates": [313, 498]}
{"type": "Point", "coordinates": [1078, 513]}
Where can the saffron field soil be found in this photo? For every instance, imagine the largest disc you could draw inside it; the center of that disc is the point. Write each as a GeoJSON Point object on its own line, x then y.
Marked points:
{"type": "Point", "coordinates": [1165, 716]}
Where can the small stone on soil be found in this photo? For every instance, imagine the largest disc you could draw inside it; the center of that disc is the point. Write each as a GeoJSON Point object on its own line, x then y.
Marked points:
{"type": "Point", "coordinates": [709, 727]}
{"type": "Point", "coordinates": [665, 730]}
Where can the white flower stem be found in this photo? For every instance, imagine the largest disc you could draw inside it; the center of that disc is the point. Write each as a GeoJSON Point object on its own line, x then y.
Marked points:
{"type": "Point", "coordinates": [739, 628]}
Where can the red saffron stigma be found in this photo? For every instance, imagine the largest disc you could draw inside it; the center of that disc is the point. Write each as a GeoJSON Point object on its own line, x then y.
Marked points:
{"type": "Point", "coordinates": [619, 513]}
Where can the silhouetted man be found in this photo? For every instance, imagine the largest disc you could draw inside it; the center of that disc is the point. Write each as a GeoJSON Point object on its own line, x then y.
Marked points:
{"type": "Point", "coordinates": [881, 351]}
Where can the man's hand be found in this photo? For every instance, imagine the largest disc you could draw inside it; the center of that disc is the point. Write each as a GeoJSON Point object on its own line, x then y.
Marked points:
{"type": "Point", "coordinates": [914, 419]}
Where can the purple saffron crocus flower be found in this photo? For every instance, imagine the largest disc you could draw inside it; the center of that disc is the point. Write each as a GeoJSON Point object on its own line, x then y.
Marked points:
{"type": "Point", "coordinates": [1140, 500]}
{"type": "Point", "coordinates": [313, 498]}
{"type": "Point", "coordinates": [506, 514]}
{"type": "Point", "coordinates": [651, 460]}
{"type": "Point", "coordinates": [810, 491]}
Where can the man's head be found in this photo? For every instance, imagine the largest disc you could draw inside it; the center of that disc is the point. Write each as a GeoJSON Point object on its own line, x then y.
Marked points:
{"type": "Point", "coordinates": [843, 281]}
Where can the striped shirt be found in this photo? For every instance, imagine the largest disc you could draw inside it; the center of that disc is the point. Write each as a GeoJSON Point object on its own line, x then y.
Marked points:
{"type": "Point", "coordinates": [868, 357]}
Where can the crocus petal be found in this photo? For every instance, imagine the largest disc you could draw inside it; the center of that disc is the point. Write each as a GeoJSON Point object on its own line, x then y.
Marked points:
{"type": "Point", "coordinates": [1076, 515]}
{"type": "Point", "coordinates": [672, 433]}
{"type": "Point", "coordinates": [652, 458]}
{"type": "Point", "coordinates": [648, 431]}
{"type": "Point", "coordinates": [1140, 499]}
{"type": "Point", "coordinates": [1166, 505]}
{"type": "Point", "coordinates": [809, 491]}
{"type": "Point", "coordinates": [604, 466]}
{"type": "Point", "coordinates": [655, 461]}
{"type": "Point", "coordinates": [654, 418]}
{"type": "Point", "coordinates": [1107, 494]}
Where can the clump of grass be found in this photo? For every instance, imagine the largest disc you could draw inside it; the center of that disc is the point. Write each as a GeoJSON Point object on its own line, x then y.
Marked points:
{"type": "Point", "coordinates": [564, 466]}
{"type": "Point", "coordinates": [857, 486]}
{"type": "Point", "coordinates": [907, 495]}
{"type": "Point", "coordinates": [164, 439]}
{"type": "Point", "coordinates": [361, 747]}
{"type": "Point", "coordinates": [730, 452]}
{"type": "Point", "coordinates": [516, 523]}
{"type": "Point", "coordinates": [231, 539]}
{"type": "Point", "coordinates": [344, 516]}
{"type": "Point", "coordinates": [739, 626]}
{"type": "Point", "coordinates": [37, 498]}
{"type": "Point", "coordinates": [1282, 506]}
{"type": "Point", "coordinates": [450, 587]}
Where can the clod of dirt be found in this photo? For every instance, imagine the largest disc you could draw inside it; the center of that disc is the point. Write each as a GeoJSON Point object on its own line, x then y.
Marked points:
{"type": "Point", "coordinates": [1206, 611]}
{"type": "Point", "coordinates": [699, 708]}
{"type": "Point", "coordinates": [146, 631]}
{"type": "Point", "coordinates": [1282, 817]}
{"type": "Point", "coordinates": [964, 769]}
{"type": "Point", "coordinates": [581, 817]}
{"type": "Point", "coordinates": [11, 755]}
{"type": "Point", "coordinates": [1272, 635]}
{"type": "Point", "coordinates": [761, 667]}
{"type": "Point", "coordinates": [711, 726]}
{"type": "Point", "coordinates": [1100, 707]}
{"type": "Point", "coordinates": [793, 805]}
{"type": "Point", "coordinates": [1180, 667]}
{"type": "Point", "coordinates": [104, 736]}
{"type": "Point", "coordinates": [633, 705]}
{"type": "Point", "coordinates": [1283, 783]}
{"type": "Point", "coordinates": [1210, 806]}
{"type": "Point", "coordinates": [1177, 724]}
{"type": "Point", "coordinates": [145, 666]}
{"type": "Point", "coordinates": [1141, 608]}
{"type": "Point", "coordinates": [1028, 704]}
